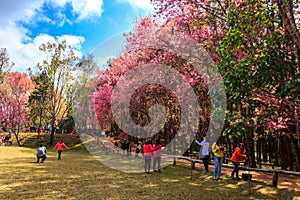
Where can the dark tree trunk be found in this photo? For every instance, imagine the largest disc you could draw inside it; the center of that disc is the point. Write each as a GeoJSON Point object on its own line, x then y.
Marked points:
{"type": "Point", "coordinates": [17, 137]}
{"type": "Point", "coordinates": [295, 153]}
{"type": "Point", "coordinates": [276, 150]}
{"type": "Point", "coordinates": [290, 153]}
{"type": "Point", "coordinates": [259, 144]}
{"type": "Point", "coordinates": [271, 148]}
{"type": "Point", "coordinates": [38, 140]}
{"type": "Point", "coordinates": [258, 150]}
{"type": "Point", "coordinates": [264, 147]}
{"type": "Point", "coordinates": [283, 152]}
{"type": "Point", "coordinates": [52, 132]}
{"type": "Point", "coordinates": [250, 147]}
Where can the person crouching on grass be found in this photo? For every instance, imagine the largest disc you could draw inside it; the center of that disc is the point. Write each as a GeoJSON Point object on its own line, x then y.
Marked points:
{"type": "Point", "coordinates": [60, 147]}
{"type": "Point", "coordinates": [41, 153]}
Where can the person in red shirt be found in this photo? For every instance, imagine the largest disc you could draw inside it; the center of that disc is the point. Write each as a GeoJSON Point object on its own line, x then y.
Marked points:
{"type": "Point", "coordinates": [60, 147]}
{"type": "Point", "coordinates": [235, 158]}
{"type": "Point", "coordinates": [148, 149]}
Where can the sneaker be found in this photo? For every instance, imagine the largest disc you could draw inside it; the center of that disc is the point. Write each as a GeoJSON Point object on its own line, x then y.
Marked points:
{"type": "Point", "coordinates": [159, 171]}
{"type": "Point", "coordinates": [219, 178]}
{"type": "Point", "coordinates": [215, 178]}
{"type": "Point", "coordinates": [238, 178]}
{"type": "Point", "coordinates": [154, 170]}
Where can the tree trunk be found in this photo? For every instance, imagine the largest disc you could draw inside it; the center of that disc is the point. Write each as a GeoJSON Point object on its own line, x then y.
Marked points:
{"type": "Point", "coordinates": [291, 153]}
{"type": "Point", "coordinates": [283, 152]}
{"type": "Point", "coordinates": [271, 149]}
{"type": "Point", "coordinates": [39, 128]}
{"type": "Point", "coordinates": [276, 150]}
{"type": "Point", "coordinates": [264, 148]}
{"type": "Point", "coordinates": [250, 147]}
{"type": "Point", "coordinates": [286, 14]}
{"type": "Point", "coordinates": [17, 138]}
{"type": "Point", "coordinates": [258, 150]}
{"type": "Point", "coordinates": [295, 153]}
{"type": "Point", "coordinates": [52, 132]}
{"type": "Point", "coordinates": [259, 144]}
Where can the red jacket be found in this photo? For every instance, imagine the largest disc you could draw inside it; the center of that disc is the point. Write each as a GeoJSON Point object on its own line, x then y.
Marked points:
{"type": "Point", "coordinates": [237, 155]}
{"type": "Point", "coordinates": [147, 149]}
{"type": "Point", "coordinates": [60, 146]}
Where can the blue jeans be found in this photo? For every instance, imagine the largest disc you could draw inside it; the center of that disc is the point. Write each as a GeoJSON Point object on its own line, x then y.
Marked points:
{"type": "Point", "coordinates": [156, 159]}
{"type": "Point", "coordinates": [147, 163]}
{"type": "Point", "coordinates": [235, 169]}
{"type": "Point", "coordinates": [218, 166]}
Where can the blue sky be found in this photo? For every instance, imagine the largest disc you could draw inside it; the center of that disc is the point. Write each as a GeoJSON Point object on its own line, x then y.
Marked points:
{"type": "Point", "coordinates": [84, 24]}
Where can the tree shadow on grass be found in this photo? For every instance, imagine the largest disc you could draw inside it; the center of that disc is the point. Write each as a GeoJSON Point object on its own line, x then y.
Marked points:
{"type": "Point", "coordinates": [80, 176]}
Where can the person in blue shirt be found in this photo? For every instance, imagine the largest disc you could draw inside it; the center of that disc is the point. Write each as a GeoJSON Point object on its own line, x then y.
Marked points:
{"type": "Point", "coordinates": [205, 153]}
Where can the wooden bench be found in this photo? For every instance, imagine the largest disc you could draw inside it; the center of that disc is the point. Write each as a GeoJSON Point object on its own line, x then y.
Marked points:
{"type": "Point", "coordinates": [226, 160]}
{"type": "Point", "coordinates": [273, 171]}
{"type": "Point", "coordinates": [194, 155]}
{"type": "Point", "coordinates": [266, 163]}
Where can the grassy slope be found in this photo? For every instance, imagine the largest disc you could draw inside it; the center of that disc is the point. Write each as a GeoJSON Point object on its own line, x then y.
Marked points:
{"type": "Point", "coordinates": [80, 176]}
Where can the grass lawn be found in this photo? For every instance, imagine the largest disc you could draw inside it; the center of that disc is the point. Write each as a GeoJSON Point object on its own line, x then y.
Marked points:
{"type": "Point", "coordinates": [80, 176]}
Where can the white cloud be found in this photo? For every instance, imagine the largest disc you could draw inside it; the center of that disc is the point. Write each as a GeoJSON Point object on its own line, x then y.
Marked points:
{"type": "Point", "coordinates": [74, 41]}
{"type": "Point", "coordinates": [86, 9]}
{"type": "Point", "coordinates": [27, 54]}
{"type": "Point", "coordinates": [142, 4]}
{"type": "Point", "coordinates": [18, 10]}
{"type": "Point", "coordinates": [23, 50]}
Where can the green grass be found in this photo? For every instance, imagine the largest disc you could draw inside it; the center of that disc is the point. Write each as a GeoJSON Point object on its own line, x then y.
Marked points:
{"type": "Point", "coordinates": [81, 176]}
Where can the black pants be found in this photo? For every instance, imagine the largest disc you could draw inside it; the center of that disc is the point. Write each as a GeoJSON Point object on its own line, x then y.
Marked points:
{"type": "Point", "coordinates": [59, 154]}
{"type": "Point", "coordinates": [43, 157]}
{"type": "Point", "coordinates": [206, 162]}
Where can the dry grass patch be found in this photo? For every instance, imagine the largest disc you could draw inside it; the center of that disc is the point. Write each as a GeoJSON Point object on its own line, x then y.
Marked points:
{"type": "Point", "coordinates": [80, 176]}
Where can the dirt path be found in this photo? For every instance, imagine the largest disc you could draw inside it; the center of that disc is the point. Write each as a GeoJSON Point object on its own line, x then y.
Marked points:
{"type": "Point", "coordinates": [286, 181]}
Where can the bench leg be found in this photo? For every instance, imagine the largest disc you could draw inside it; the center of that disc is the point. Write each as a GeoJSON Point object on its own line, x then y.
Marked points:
{"type": "Point", "coordinates": [275, 179]}
{"type": "Point", "coordinates": [193, 165]}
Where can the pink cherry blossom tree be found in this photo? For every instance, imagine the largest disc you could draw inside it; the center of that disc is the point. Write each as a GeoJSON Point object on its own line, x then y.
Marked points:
{"type": "Point", "coordinates": [15, 92]}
